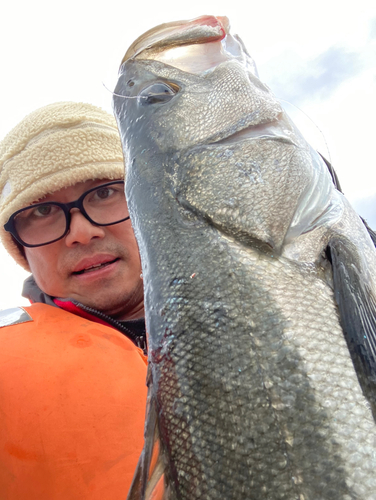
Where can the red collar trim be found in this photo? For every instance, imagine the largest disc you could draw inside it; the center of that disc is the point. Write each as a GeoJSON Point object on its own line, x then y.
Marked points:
{"type": "Point", "coordinates": [74, 309]}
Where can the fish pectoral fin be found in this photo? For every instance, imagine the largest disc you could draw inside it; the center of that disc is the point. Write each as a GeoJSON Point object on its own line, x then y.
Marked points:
{"type": "Point", "coordinates": [148, 481]}
{"type": "Point", "coordinates": [155, 468]}
{"type": "Point", "coordinates": [135, 489]}
{"type": "Point", "coordinates": [357, 307]}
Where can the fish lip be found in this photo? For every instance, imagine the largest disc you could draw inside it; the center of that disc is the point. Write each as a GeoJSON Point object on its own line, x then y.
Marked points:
{"type": "Point", "coordinates": [281, 129]}
{"type": "Point", "coordinates": [164, 31]}
{"type": "Point", "coordinates": [96, 260]}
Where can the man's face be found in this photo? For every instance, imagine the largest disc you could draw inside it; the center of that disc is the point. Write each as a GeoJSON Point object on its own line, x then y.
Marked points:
{"type": "Point", "coordinates": [97, 265]}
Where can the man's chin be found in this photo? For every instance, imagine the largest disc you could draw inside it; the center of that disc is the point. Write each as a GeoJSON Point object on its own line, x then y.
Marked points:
{"type": "Point", "coordinates": [119, 305]}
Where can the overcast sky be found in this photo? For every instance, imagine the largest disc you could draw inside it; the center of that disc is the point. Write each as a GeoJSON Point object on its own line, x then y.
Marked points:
{"type": "Point", "coordinates": [320, 56]}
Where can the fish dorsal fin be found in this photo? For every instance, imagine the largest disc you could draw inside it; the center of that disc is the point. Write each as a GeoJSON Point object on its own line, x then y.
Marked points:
{"type": "Point", "coordinates": [357, 307]}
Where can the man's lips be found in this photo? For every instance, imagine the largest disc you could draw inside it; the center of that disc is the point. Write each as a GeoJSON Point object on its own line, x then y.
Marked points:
{"type": "Point", "coordinates": [94, 264]}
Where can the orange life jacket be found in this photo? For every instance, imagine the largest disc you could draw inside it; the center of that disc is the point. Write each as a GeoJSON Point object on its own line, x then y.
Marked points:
{"type": "Point", "coordinates": [72, 408]}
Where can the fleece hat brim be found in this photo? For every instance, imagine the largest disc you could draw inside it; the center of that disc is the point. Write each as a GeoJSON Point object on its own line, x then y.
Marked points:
{"type": "Point", "coordinates": [53, 148]}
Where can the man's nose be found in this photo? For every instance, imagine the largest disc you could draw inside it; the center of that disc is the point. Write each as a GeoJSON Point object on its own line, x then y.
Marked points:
{"type": "Point", "coordinates": [81, 230]}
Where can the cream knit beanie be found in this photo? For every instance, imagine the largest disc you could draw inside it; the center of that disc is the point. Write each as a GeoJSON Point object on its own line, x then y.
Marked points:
{"type": "Point", "coordinates": [52, 148]}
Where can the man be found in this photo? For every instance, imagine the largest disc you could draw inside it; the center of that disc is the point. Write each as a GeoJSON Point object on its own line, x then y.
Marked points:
{"type": "Point", "coordinates": [72, 365]}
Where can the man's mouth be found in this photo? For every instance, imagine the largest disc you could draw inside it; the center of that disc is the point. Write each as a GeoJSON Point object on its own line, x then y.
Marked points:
{"type": "Point", "coordinates": [95, 267]}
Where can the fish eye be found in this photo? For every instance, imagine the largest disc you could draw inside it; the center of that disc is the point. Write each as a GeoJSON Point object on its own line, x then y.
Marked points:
{"type": "Point", "coordinates": [158, 93]}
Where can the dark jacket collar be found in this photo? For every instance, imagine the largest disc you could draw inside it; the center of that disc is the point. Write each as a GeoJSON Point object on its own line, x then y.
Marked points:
{"type": "Point", "coordinates": [32, 292]}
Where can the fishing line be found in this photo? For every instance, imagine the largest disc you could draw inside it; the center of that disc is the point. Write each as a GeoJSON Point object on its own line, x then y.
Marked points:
{"type": "Point", "coordinates": [124, 96]}
{"type": "Point", "coordinates": [313, 123]}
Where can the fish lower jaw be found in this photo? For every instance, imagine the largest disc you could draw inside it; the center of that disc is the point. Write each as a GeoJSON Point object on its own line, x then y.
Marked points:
{"type": "Point", "coordinates": [278, 130]}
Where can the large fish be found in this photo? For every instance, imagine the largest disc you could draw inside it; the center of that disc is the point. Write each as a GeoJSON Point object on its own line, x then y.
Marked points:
{"type": "Point", "coordinates": [259, 283]}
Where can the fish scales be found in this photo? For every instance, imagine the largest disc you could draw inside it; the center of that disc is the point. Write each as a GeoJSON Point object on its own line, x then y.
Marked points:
{"type": "Point", "coordinates": [250, 372]}
{"type": "Point", "coordinates": [279, 432]}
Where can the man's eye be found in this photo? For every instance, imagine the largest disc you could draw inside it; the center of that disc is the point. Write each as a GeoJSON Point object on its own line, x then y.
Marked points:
{"type": "Point", "coordinates": [158, 93]}
{"type": "Point", "coordinates": [104, 193]}
{"type": "Point", "coordinates": [43, 211]}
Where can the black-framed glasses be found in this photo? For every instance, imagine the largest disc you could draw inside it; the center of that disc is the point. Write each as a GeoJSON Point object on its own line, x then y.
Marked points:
{"type": "Point", "coordinates": [44, 223]}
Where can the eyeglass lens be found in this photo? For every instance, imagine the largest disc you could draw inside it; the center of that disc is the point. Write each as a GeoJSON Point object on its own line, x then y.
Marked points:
{"type": "Point", "coordinates": [47, 222]}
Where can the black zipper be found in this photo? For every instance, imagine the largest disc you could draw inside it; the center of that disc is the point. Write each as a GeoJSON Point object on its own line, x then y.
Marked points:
{"type": "Point", "coordinates": [138, 340]}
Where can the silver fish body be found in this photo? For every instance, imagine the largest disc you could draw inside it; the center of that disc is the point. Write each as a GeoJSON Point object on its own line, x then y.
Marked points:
{"type": "Point", "coordinates": [259, 284]}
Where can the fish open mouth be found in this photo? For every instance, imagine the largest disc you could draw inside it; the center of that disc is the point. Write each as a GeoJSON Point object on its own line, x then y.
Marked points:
{"type": "Point", "coordinates": [195, 46]}
{"type": "Point", "coordinates": [171, 35]}
{"type": "Point", "coordinates": [95, 267]}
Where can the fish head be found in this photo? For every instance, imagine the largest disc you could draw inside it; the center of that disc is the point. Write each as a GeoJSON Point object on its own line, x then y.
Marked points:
{"type": "Point", "coordinates": [190, 92]}
{"type": "Point", "coordinates": [191, 86]}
